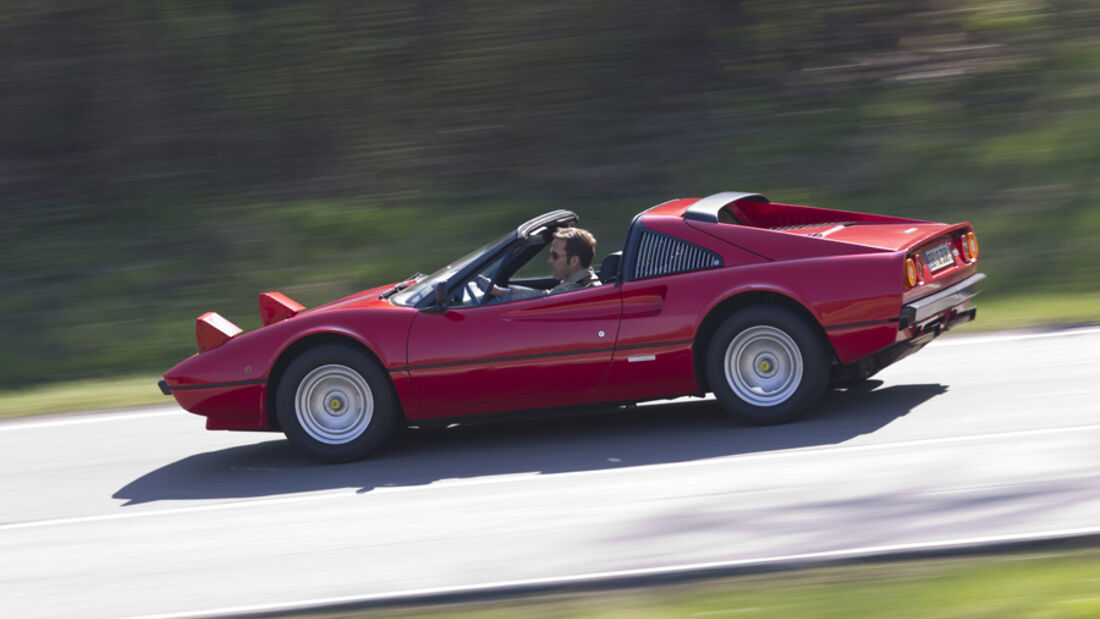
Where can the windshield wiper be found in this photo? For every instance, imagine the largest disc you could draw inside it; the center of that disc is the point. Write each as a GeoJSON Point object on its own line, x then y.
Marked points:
{"type": "Point", "coordinates": [408, 281]}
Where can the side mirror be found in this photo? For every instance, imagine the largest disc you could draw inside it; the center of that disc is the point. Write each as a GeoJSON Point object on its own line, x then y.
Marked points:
{"type": "Point", "coordinates": [440, 296]}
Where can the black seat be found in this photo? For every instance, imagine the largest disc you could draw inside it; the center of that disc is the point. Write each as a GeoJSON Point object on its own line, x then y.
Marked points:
{"type": "Point", "coordinates": [609, 268]}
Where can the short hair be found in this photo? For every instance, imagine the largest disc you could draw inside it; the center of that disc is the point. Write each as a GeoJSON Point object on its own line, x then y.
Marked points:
{"type": "Point", "coordinates": [578, 242]}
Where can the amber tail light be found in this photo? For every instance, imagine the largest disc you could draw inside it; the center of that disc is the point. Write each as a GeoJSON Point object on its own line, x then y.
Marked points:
{"type": "Point", "coordinates": [912, 275]}
{"type": "Point", "coordinates": [968, 246]}
{"type": "Point", "coordinates": [971, 242]}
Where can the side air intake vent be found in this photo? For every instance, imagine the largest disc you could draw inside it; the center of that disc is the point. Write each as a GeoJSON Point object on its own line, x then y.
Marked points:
{"type": "Point", "coordinates": [660, 254]}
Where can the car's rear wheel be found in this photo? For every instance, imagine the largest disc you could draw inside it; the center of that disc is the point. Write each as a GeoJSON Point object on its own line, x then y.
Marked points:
{"type": "Point", "coordinates": [336, 403]}
{"type": "Point", "coordinates": [766, 365]}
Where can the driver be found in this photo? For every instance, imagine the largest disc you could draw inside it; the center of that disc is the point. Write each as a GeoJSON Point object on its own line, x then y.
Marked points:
{"type": "Point", "coordinates": [570, 260]}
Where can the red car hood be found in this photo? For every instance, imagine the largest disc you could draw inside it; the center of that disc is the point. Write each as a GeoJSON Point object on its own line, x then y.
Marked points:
{"type": "Point", "coordinates": [359, 300]}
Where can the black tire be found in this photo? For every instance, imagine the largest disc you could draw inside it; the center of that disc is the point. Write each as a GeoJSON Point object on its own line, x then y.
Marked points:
{"type": "Point", "coordinates": [767, 365]}
{"type": "Point", "coordinates": [336, 404]}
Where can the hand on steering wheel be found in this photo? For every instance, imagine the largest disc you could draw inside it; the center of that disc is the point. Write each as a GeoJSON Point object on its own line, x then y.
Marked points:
{"type": "Point", "coordinates": [472, 293]}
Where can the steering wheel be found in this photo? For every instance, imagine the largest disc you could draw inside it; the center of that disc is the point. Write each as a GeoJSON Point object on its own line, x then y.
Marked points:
{"type": "Point", "coordinates": [471, 293]}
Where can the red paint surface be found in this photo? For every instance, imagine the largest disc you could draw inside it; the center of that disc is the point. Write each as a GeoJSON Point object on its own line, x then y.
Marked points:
{"type": "Point", "coordinates": [633, 341]}
{"type": "Point", "coordinates": [213, 330]}
{"type": "Point", "coordinates": [226, 408]}
{"type": "Point", "coordinates": [276, 306]}
{"type": "Point", "coordinates": [525, 354]}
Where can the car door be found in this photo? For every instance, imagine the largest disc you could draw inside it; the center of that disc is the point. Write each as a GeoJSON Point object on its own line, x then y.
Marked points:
{"type": "Point", "coordinates": [535, 353]}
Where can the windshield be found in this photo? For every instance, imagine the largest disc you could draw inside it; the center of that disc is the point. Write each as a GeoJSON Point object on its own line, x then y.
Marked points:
{"type": "Point", "coordinates": [424, 288]}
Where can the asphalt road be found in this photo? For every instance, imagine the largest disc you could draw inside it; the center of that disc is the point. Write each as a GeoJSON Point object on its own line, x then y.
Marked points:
{"type": "Point", "coordinates": [145, 513]}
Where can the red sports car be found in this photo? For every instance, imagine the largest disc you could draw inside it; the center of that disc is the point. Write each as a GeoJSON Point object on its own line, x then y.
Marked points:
{"type": "Point", "coordinates": [764, 304]}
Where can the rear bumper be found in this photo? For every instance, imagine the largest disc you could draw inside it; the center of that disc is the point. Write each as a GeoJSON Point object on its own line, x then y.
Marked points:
{"type": "Point", "coordinates": [921, 321]}
{"type": "Point", "coordinates": [933, 305]}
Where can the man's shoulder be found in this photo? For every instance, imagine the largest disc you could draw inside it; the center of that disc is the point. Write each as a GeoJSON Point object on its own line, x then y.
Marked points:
{"type": "Point", "coordinates": [585, 278]}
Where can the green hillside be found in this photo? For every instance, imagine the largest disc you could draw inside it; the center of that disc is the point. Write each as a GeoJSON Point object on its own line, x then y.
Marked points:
{"type": "Point", "coordinates": [164, 159]}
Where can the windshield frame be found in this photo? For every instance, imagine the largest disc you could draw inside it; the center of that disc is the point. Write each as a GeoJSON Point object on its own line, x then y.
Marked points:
{"type": "Point", "coordinates": [422, 293]}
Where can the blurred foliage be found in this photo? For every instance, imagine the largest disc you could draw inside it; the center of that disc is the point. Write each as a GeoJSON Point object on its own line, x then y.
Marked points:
{"type": "Point", "coordinates": [162, 158]}
{"type": "Point", "coordinates": [1060, 584]}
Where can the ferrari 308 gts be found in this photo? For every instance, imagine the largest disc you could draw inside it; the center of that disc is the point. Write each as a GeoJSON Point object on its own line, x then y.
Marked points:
{"type": "Point", "coordinates": [766, 305]}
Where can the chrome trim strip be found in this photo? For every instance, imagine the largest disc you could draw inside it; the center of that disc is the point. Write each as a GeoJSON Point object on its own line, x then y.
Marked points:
{"type": "Point", "coordinates": [927, 307]}
{"type": "Point", "coordinates": [641, 358]}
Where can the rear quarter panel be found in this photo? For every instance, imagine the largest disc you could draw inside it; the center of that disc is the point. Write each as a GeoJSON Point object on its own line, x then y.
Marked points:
{"type": "Point", "coordinates": [856, 300]}
{"type": "Point", "coordinates": [854, 292]}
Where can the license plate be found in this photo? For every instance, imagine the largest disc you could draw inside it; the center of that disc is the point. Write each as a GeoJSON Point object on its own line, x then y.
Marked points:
{"type": "Point", "coordinates": [939, 257]}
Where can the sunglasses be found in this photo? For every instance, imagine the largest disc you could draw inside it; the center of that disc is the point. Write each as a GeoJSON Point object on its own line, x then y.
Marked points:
{"type": "Point", "coordinates": [555, 255]}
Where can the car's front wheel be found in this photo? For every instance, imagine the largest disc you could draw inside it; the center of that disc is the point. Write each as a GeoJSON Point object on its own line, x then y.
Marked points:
{"type": "Point", "coordinates": [336, 404]}
{"type": "Point", "coordinates": [766, 365]}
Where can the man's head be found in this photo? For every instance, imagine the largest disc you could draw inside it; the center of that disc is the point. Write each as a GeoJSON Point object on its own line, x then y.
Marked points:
{"type": "Point", "coordinates": [571, 250]}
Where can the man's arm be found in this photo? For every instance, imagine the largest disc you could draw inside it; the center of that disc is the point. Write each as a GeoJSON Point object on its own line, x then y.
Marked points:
{"type": "Point", "coordinates": [508, 293]}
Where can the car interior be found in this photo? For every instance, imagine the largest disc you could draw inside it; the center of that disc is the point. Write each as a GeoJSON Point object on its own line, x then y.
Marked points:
{"type": "Point", "coordinates": [513, 268]}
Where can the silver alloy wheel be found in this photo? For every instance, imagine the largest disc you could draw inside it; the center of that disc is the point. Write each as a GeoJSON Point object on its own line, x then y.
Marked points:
{"type": "Point", "coordinates": [334, 404]}
{"type": "Point", "coordinates": [763, 365]}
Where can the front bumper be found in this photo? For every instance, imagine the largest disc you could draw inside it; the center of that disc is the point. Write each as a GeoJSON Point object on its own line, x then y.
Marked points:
{"type": "Point", "coordinates": [935, 304]}
{"type": "Point", "coordinates": [226, 406]}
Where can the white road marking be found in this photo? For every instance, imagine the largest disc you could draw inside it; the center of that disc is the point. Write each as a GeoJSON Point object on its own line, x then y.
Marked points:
{"type": "Point", "coordinates": [174, 511]}
{"type": "Point", "coordinates": [536, 476]}
{"type": "Point", "coordinates": [962, 340]}
{"type": "Point", "coordinates": [85, 418]}
{"type": "Point", "coordinates": [667, 570]}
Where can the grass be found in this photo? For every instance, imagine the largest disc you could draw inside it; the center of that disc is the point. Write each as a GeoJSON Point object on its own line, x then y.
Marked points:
{"type": "Point", "coordinates": [82, 395]}
{"type": "Point", "coordinates": [1038, 310]}
{"type": "Point", "coordinates": [1061, 584]}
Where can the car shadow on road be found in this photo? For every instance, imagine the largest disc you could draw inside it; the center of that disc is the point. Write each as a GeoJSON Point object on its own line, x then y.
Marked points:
{"type": "Point", "coordinates": [652, 434]}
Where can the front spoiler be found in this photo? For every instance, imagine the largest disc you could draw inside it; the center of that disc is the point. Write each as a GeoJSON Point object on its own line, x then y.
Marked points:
{"type": "Point", "coordinates": [934, 304]}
